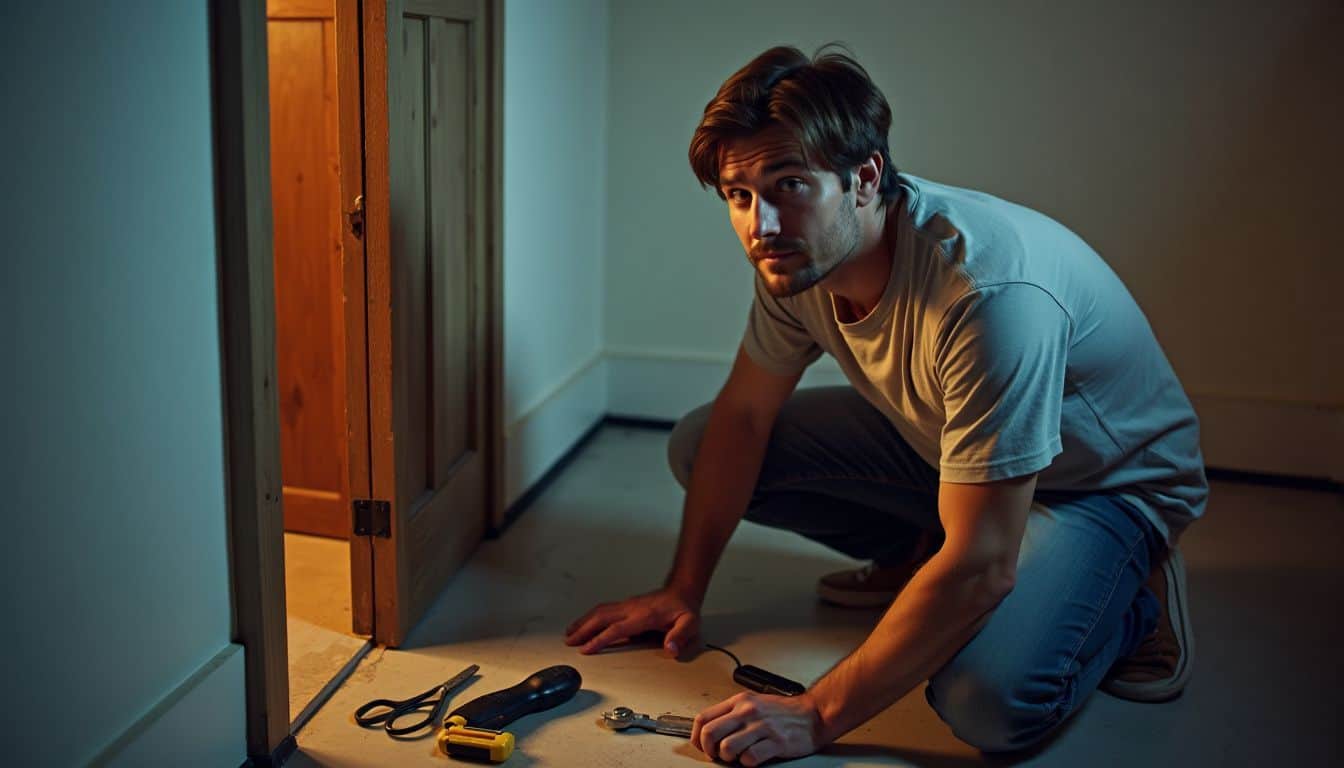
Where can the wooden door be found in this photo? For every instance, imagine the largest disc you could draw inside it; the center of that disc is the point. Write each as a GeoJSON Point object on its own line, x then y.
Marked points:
{"type": "Point", "coordinates": [432, 293]}
{"type": "Point", "coordinates": [310, 317]}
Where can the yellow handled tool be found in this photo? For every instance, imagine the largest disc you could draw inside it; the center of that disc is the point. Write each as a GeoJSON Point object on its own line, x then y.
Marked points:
{"type": "Point", "coordinates": [461, 740]}
{"type": "Point", "coordinates": [472, 731]}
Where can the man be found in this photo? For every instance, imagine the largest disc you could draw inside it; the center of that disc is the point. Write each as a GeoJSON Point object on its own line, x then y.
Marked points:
{"type": "Point", "coordinates": [1016, 456]}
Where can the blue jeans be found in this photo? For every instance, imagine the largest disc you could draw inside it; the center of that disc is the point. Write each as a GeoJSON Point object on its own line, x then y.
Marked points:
{"type": "Point", "coordinates": [837, 472]}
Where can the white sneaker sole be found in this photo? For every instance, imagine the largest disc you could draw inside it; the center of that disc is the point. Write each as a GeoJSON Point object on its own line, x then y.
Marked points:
{"type": "Point", "coordinates": [1178, 605]}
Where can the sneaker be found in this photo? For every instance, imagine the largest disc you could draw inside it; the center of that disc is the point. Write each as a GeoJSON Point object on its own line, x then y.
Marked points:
{"type": "Point", "coordinates": [872, 586]}
{"type": "Point", "coordinates": [1159, 669]}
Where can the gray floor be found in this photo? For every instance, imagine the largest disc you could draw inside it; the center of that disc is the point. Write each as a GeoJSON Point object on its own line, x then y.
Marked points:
{"type": "Point", "coordinates": [1265, 579]}
{"type": "Point", "coordinates": [318, 621]}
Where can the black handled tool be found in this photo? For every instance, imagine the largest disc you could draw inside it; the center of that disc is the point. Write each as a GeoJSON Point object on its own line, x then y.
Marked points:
{"type": "Point", "coordinates": [472, 730]}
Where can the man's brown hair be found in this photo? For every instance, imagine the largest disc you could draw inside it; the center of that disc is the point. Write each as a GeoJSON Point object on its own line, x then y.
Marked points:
{"type": "Point", "coordinates": [827, 102]}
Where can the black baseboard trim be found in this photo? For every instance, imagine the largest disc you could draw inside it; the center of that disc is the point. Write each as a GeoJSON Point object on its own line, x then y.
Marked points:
{"type": "Point", "coordinates": [517, 508]}
{"type": "Point", "coordinates": [635, 422]}
{"type": "Point", "coordinates": [277, 758]}
{"type": "Point", "coordinates": [1276, 481]}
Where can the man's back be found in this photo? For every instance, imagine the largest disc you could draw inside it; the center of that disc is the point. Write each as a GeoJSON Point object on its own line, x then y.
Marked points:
{"type": "Point", "coordinates": [1004, 345]}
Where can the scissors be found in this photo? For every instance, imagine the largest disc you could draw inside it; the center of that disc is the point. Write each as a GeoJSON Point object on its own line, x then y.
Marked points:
{"type": "Point", "coordinates": [392, 710]}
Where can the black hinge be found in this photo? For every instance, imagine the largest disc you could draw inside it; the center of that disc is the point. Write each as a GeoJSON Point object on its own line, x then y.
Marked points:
{"type": "Point", "coordinates": [373, 517]}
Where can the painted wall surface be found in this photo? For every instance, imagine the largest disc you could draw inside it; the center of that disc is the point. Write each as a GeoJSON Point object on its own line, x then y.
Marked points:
{"type": "Point", "coordinates": [555, 176]}
{"type": "Point", "coordinates": [1194, 145]}
{"type": "Point", "coordinates": [116, 585]}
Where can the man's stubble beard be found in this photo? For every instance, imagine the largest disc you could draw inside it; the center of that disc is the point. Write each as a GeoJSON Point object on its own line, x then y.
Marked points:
{"type": "Point", "coordinates": [842, 236]}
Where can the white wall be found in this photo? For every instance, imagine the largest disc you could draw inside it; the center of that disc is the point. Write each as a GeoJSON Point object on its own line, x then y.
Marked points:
{"type": "Point", "coordinates": [1195, 150]}
{"type": "Point", "coordinates": [116, 586]}
{"type": "Point", "coordinates": [555, 134]}
{"type": "Point", "coordinates": [1194, 145]}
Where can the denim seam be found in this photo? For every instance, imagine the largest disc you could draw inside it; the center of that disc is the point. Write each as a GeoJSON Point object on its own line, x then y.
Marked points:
{"type": "Point", "coordinates": [1061, 711]}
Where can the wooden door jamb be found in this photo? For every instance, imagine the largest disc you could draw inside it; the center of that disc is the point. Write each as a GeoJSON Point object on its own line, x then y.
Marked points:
{"type": "Point", "coordinates": [240, 100]}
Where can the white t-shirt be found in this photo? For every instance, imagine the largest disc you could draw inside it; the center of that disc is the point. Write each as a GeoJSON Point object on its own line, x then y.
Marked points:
{"type": "Point", "coordinates": [1002, 346]}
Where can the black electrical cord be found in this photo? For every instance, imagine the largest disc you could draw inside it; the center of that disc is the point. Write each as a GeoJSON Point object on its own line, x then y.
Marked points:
{"type": "Point", "coordinates": [724, 650]}
{"type": "Point", "coordinates": [758, 679]}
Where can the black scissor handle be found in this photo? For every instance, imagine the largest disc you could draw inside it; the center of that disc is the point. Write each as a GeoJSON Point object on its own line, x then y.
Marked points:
{"type": "Point", "coordinates": [394, 710]}
{"type": "Point", "coordinates": [431, 714]}
{"type": "Point", "coordinates": [366, 720]}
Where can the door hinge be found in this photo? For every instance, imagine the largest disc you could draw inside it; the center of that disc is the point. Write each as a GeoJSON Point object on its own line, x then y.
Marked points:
{"type": "Point", "coordinates": [373, 517]}
{"type": "Point", "coordinates": [356, 218]}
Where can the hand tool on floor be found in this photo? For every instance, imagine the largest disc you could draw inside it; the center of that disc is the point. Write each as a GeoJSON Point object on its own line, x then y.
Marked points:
{"type": "Point", "coordinates": [393, 710]}
{"type": "Point", "coordinates": [621, 718]}
{"type": "Point", "coordinates": [472, 730]}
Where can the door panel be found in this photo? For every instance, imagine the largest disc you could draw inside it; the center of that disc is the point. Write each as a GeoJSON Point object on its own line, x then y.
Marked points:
{"type": "Point", "coordinates": [310, 318]}
{"type": "Point", "coordinates": [450, 176]}
{"type": "Point", "coordinates": [431, 190]}
{"type": "Point", "coordinates": [429, 308]}
{"type": "Point", "coordinates": [412, 299]}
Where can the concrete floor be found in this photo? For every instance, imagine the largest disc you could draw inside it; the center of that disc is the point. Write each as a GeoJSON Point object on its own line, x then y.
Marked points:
{"type": "Point", "coordinates": [317, 612]}
{"type": "Point", "coordinates": [1265, 579]}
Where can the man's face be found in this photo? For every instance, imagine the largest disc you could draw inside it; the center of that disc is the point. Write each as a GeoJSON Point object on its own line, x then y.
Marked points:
{"type": "Point", "coordinates": [794, 222]}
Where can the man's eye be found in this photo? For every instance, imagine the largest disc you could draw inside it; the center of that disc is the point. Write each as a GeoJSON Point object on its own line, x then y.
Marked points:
{"type": "Point", "coordinates": [738, 196]}
{"type": "Point", "coordinates": [791, 184]}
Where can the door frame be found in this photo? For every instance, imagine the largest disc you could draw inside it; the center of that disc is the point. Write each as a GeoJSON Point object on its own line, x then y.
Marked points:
{"type": "Point", "coordinates": [245, 268]}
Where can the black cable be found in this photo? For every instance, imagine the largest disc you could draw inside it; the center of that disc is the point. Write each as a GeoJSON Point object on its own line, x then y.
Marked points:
{"type": "Point", "coordinates": [724, 650]}
{"type": "Point", "coordinates": [758, 679]}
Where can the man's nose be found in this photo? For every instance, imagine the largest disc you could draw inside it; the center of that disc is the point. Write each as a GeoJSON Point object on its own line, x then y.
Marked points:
{"type": "Point", "coordinates": [764, 220]}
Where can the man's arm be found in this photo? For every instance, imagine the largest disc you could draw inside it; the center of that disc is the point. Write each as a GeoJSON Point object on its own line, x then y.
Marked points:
{"type": "Point", "coordinates": [941, 608]}
{"type": "Point", "coordinates": [727, 464]}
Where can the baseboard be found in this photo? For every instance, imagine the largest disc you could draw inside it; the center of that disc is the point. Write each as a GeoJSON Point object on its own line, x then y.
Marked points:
{"type": "Point", "coordinates": [1271, 438]}
{"type": "Point", "coordinates": [1240, 434]}
{"type": "Point", "coordinates": [201, 722]}
{"type": "Point", "coordinates": [536, 439]}
{"type": "Point", "coordinates": [520, 505]}
{"type": "Point", "coordinates": [652, 392]}
{"type": "Point", "coordinates": [621, 388]}
{"type": "Point", "coordinates": [1244, 438]}
{"type": "Point", "coordinates": [1217, 474]}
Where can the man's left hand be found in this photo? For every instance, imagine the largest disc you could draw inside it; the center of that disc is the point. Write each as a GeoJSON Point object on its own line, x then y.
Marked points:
{"type": "Point", "coordinates": [755, 727]}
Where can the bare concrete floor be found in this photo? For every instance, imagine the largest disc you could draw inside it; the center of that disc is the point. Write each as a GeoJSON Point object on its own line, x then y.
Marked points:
{"type": "Point", "coordinates": [317, 607]}
{"type": "Point", "coordinates": [1265, 580]}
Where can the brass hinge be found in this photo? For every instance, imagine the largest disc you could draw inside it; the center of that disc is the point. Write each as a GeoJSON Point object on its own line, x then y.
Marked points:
{"type": "Point", "coordinates": [373, 517]}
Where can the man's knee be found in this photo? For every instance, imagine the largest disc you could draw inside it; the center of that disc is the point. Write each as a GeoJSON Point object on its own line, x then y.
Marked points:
{"type": "Point", "coordinates": [994, 712]}
{"type": "Point", "coordinates": [685, 441]}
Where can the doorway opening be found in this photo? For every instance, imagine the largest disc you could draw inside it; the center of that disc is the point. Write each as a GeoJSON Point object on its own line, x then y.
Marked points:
{"type": "Point", "coordinates": [377, 352]}
{"type": "Point", "coordinates": [313, 355]}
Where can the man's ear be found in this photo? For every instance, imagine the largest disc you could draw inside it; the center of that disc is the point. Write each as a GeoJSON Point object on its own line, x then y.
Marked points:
{"type": "Point", "coordinates": [869, 179]}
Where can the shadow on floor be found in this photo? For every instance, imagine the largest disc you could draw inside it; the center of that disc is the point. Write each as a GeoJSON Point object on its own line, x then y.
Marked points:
{"type": "Point", "coordinates": [758, 587]}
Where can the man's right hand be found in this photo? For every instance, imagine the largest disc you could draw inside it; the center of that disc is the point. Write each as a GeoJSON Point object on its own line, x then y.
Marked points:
{"type": "Point", "coordinates": [664, 610]}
